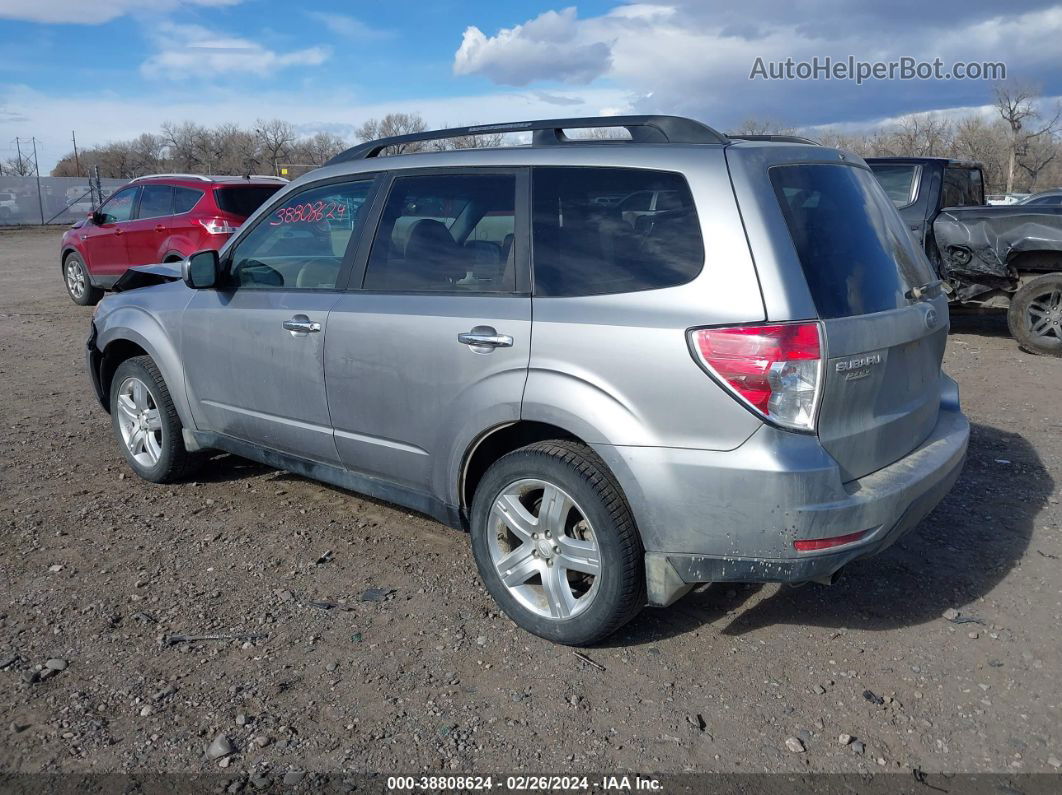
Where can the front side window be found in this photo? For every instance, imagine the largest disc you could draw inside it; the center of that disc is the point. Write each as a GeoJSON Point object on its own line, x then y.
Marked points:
{"type": "Point", "coordinates": [585, 246]}
{"type": "Point", "coordinates": [302, 242]}
{"type": "Point", "coordinates": [155, 201]}
{"type": "Point", "coordinates": [120, 206]}
{"type": "Point", "coordinates": [442, 233]}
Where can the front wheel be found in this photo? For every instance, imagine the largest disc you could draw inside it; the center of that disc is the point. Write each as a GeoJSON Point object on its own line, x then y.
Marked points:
{"type": "Point", "coordinates": [1035, 315]}
{"type": "Point", "coordinates": [556, 545]}
{"type": "Point", "coordinates": [78, 285]}
{"type": "Point", "coordinates": [146, 424]}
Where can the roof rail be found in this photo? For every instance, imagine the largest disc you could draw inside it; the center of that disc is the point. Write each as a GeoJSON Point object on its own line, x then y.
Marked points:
{"type": "Point", "coordinates": [181, 176]}
{"type": "Point", "coordinates": [775, 138]}
{"type": "Point", "coordinates": [550, 132]}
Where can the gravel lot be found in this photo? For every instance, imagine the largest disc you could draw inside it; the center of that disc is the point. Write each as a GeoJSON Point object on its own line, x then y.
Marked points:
{"type": "Point", "coordinates": [98, 567]}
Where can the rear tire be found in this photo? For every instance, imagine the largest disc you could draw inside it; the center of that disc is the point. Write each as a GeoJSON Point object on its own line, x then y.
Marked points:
{"type": "Point", "coordinates": [1035, 315]}
{"type": "Point", "coordinates": [555, 543]}
{"type": "Point", "coordinates": [146, 424]}
{"type": "Point", "coordinates": [78, 285]}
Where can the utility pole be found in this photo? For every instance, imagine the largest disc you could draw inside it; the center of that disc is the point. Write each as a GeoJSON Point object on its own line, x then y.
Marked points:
{"type": "Point", "coordinates": [37, 170]}
{"type": "Point", "coordinates": [18, 149]}
{"type": "Point", "coordinates": [77, 162]}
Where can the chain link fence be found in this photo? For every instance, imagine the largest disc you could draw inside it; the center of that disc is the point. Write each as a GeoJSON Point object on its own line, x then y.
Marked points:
{"type": "Point", "coordinates": [51, 200]}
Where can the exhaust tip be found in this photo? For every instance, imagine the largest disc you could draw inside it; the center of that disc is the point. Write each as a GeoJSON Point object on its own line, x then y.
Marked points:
{"type": "Point", "coordinates": [829, 579]}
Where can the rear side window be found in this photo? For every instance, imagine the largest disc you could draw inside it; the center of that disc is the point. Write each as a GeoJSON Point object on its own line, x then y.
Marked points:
{"type": "Point", "coordinates": [155, 201]}
{"type": "Point", "coordinates": [244, 200]}
{"type": "Point", "coordinates": [854, 250]}
{"type": "Point", "coordinates": [899, 181]}
{"type": "Point", "coordinates": [587, 243]}
{"type": "Point", "coordinates": [184, 199]}
{"type": "Point", "coordinates": [451, 232]}
{"type": "Point", "coordinates": [962, 187]}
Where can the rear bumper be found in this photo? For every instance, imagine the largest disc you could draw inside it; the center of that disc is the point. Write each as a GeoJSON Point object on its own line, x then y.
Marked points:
{"type": "Point", "coordinates": [708, 516]}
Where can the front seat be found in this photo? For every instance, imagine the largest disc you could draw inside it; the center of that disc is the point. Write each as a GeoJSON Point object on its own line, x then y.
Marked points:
{"type": "Point", "coordinates": [432, 256]}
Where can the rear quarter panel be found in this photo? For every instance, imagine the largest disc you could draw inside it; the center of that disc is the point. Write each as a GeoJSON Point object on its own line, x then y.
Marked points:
{"type": "Point", "coordinates": [617, 369]}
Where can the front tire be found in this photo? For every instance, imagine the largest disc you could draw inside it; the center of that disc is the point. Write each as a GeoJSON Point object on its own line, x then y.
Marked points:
{"type": "Point", "coordinates": [1035, 315]}
{"type": "Point", "coordinates": [78, 284]}
{"type": "Point", "coordinates": [555, 543]}
{"type": "Point", "coordinates": [146, 424]}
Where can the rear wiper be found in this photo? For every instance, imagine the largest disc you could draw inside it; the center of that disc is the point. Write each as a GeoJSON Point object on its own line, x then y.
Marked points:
{"type": "Point", "coordinates": [918, 293]}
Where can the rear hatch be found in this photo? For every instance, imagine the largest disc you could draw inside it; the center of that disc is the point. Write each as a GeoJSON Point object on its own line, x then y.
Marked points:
{"type": "Point", "coordinates": [884, 319]}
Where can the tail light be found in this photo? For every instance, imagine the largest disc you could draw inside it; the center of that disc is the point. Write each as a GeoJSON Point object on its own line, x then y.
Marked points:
{"type": "Point", "coordinates": [217, 226]}
{"type": "Point", "coordinates": [775, 370]}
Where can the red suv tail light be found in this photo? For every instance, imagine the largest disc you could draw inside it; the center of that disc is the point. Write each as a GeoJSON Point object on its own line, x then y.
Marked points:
{"type": "Point", "coordinates": [217, 226]}
{"type": "Point", "coordinates": [775, 370]}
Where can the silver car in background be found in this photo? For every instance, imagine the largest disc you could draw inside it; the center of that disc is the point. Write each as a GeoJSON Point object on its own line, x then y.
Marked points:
{"type": "Point", "coordinates": [740, 383]}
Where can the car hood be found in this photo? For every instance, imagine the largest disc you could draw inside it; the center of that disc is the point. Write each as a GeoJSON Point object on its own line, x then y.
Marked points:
{"type": "Point", "coordinates": [147, 275]}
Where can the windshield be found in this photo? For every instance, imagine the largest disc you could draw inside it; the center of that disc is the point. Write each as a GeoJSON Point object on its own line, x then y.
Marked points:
{"type": "Point", "coordinates": [900, 181]}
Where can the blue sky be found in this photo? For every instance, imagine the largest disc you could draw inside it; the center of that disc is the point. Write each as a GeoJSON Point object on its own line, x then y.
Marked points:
{"type": "Point", "coordinates": [112, 70]}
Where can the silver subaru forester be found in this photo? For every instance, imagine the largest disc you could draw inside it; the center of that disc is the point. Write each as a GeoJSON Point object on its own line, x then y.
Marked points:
{"type": "Point", "coordinates": [625, 365]}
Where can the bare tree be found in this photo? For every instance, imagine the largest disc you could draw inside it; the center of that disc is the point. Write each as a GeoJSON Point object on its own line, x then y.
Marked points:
{"type": "Point", "coordinates": [1016, 103]}
{"type": "Point", "coordinates": [763, 127]}
{"type": "Point", "coordinates": [394, 124]}
{"type": "Point", "coordinates": [16, 167]}
{"type": "Point", "coordinates": [276, 137]}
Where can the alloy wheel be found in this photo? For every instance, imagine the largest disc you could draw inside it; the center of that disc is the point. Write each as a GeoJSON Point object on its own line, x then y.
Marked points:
{"type": "Point", "coordinates": [1044, 316]}
{"type": "Point", "coordinates": [139, 422]}
{"type": "Point", "coordinates": [76, 281]}
{"type": "Point", "coordinates": [544, 549]}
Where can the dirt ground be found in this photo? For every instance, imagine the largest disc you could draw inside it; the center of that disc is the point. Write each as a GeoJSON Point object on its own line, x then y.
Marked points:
{"type": "Point", "coordinates": [96, 567]}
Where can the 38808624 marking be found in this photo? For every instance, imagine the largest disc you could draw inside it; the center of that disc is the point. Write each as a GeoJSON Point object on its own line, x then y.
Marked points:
{"type": "Point", "coordinates": [309, 213]}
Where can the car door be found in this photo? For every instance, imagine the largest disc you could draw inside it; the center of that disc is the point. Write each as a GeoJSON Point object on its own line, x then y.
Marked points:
{"type": "Point", "coordinates": [253, 349]}
{"type": "Point", "coordinates": [145, 232]}
{"type": "Point", "coordinates": [434, 346]}
{"type": "Point", "coordinates": [104, 243]}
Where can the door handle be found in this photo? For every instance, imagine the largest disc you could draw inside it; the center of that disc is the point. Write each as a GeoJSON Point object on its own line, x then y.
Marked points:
{"type": "Point", "coordinates": [160, 228]}
{"type": "Point", "coordinates": [300, 326]}
{"type": "Point", "coordinates": [484, 337]}
{"type": "Point", "coordinates": [117, 230]}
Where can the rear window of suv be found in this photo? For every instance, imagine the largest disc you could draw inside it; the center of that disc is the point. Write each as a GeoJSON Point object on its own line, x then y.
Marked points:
{"type": "Point", "coordinates": [854, 250]}
{"type": "Point", "coordinates": [586, 242]}
{"type": "Point", "coordinates": [243, 200]}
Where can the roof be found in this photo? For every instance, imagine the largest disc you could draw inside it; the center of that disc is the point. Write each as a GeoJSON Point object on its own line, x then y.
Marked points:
{"type": "Point", "coordinates": [948, 161]}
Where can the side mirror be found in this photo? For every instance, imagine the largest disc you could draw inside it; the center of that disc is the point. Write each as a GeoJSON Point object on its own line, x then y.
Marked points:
{"type": "Point", "coordinates": [98, 218]}
{"type": "Point", "coordinates": [202, 270]}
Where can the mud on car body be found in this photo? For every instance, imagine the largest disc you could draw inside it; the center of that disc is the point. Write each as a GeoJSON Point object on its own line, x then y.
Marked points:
{"type": "Point", "coordinates": [742, 385]}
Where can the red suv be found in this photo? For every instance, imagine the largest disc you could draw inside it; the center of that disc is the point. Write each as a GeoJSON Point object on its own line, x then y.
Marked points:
{"type": "Point", "coordinates": [161, 218]}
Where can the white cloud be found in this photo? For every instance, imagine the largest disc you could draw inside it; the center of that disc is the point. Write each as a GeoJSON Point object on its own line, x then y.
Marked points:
{"type": "Point", "coordinates": [690, 59]}
{"type": "Point", "coordinates": [78, 12]}
{"type": "Point", "coordinates": [348, 27]}
{"type": "Point", "coordinates": [552, 46]}
{"type": "Point", "coordinates": [192, 50]}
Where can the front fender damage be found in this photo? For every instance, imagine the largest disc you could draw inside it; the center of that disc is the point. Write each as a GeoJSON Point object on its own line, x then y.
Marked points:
{"type": "Point", "coordinates": [978, 245]}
